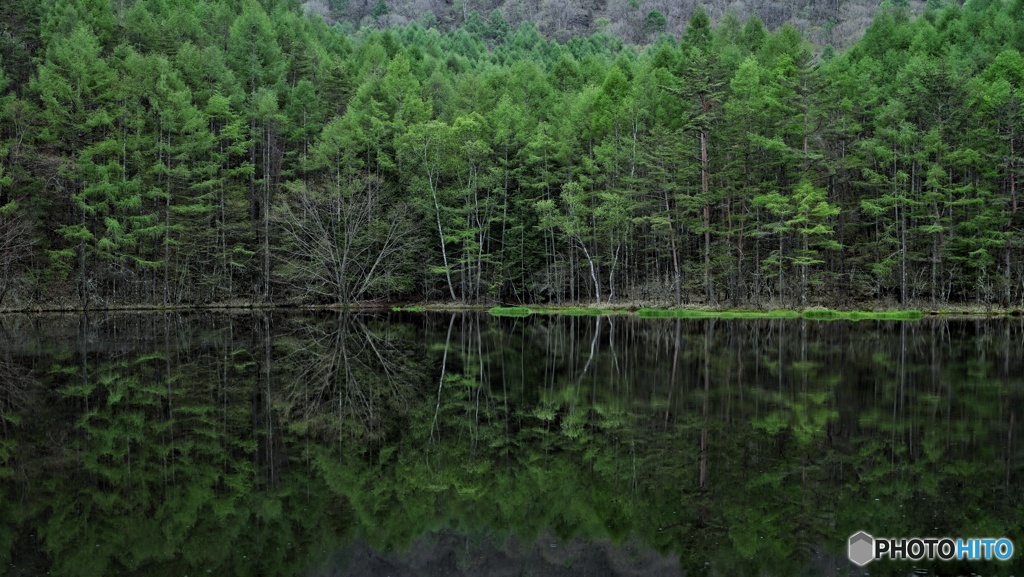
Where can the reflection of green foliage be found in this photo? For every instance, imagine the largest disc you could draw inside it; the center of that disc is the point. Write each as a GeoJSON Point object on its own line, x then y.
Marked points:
{"type": "Point", "coordinates": [575, 311]}
{"type": "Point", "coordinates": [248, 451]}
{"type": "Point", "coordinates": [813, 314]}
{"type": "Point", "coordinates": [702, 314]}
{"type": "Point", "coordinates": [831, 315]}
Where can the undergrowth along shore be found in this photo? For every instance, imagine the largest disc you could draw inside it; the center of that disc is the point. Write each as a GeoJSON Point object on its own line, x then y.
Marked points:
{"type": "Point", "coordinates": [693, 313]}
{"type": "Point", "coordinates": [650, 313]}
{"type": "Point", "coordinates": [523, 311]}
{"type": "Point", "coordinates": [811, 314]}
{"type": "Point", "coordinates": [683, 313]}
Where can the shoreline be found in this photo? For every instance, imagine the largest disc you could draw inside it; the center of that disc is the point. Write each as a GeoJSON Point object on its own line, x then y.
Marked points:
{"type": "Point", "coordinates": [499, 310]}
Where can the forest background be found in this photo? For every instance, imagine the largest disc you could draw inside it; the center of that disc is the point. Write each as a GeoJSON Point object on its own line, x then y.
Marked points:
{"type": "Point", "coordinates": [239, 151]}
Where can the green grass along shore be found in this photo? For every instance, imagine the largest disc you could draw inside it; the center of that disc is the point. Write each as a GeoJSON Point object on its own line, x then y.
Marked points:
{"type": "Point", "coordinates": [818, 314]}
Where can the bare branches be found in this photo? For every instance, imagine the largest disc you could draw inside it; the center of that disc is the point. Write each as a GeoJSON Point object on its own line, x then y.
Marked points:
{"type": "Point", "coordinates": [345, 242]}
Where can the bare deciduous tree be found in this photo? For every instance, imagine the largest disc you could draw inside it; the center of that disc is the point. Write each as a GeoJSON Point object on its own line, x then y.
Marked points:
{"type": "Point", "coordinates": [558, 17]}
{"type": "Point", "coordinates": [318, 7]}
{"type": "Point", "coordinates": [345, 242]}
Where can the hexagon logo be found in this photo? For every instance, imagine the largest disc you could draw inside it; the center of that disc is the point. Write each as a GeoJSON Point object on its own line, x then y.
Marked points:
{"type": "Point", "coordinates": [861, 549]}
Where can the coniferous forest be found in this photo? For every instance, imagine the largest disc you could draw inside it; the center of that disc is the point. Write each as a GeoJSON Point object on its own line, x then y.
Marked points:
{"type": "Point", "coordinates": [203, 152]}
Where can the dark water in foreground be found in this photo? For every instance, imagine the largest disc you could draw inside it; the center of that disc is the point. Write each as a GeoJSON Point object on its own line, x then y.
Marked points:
{"type": "Point", "coordinates": [444, 444]}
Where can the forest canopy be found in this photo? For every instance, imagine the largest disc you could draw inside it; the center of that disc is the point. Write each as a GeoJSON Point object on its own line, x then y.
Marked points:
{"type": "Point", "coordinates": [227, 151]}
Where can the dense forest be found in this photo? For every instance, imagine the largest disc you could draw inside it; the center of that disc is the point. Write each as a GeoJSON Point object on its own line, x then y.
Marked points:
{"type": "Point", "coordinates": [217, 152]}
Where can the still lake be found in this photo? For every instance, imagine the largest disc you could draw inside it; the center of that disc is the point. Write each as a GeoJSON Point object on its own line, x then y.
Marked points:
{"type": "Point", "coordinates": [410, 444]}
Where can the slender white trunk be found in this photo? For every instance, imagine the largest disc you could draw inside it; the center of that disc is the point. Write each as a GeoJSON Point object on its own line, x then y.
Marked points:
{"type": "Point", "coordinates": [440, 233]}
{"type": "Point", "coordinates": [593, 273]}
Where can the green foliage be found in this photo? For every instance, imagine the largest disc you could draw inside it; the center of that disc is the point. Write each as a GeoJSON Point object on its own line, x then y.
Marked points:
{"type": "Point", "coordinates": [831, 315]}
{"type": "Point", "coordinates": [510, 311]}
{"type": "Point", "coordinates": [654, 22]}
{"type": "Point", "coordinates": [225, 152]}
{"type": "Point", "coordinates": [380, 9]}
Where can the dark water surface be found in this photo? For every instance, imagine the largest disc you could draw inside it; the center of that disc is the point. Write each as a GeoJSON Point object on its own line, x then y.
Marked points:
{"type": "Point", "coordinates": [461, 444]}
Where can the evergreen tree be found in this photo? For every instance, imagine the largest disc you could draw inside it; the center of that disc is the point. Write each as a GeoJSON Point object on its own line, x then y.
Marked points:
{"type": "Point", "coordinates": [77, 90]}
{"type": "Point", "coordinates": [164, 153]}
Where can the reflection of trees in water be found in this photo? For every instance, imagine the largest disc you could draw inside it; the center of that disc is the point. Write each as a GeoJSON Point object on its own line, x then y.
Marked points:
{"type": "Point", "coordinates": [172, 456]}
{"type": "Point", "coordinates": [194, 441]}
{"type": "Point", "coordinates": [349, 373]}
{"type": "Point", "coordinates": [16, 397]}
{"type": "Point", "coordinates": [771, 436]}
{"type": "Point", "coordinates": [15, 387]}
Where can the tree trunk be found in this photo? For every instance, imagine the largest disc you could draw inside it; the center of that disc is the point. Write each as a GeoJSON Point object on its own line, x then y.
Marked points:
{"type": "Point", "coordinates": [611, 276]}
{"type": "Point", "coordinates": [705, 188]}
{"type": "Point", "coordinates": [593, 273]}
{"type": "Point", "coordinates": [1013, 212]}
{"type": "Point", "coordinates": [440, 233]}
{"type": "Point", "coordinates": [782, 289]}
{"type": "Point", "coordinates": [676, 277]}
{"type": "Point", "coordinates": [266, 213]}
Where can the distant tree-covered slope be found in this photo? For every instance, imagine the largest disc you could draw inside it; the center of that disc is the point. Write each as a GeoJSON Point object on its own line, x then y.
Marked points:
{"type": "Point", "coordinates": [838, 23]}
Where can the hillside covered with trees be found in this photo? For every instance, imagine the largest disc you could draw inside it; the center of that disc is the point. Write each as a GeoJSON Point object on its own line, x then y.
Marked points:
{"type": "Point", "coordinates": [837, 23]}
{"type": "Point", "coordinates": [227, 151]}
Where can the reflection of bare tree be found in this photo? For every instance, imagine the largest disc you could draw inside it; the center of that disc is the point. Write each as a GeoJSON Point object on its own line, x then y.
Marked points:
{"type": "Point", "coordinates": [15, 243]}
{"type": "Point", "coordinates": [349, 376]}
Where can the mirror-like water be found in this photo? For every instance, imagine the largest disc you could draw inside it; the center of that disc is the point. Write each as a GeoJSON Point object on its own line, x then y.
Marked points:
{"type": "Point", "coordinates": [461, 444]}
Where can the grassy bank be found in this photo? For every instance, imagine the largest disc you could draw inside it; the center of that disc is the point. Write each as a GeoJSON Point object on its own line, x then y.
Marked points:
{"type": "Point", "coordinates": [510, 311]}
